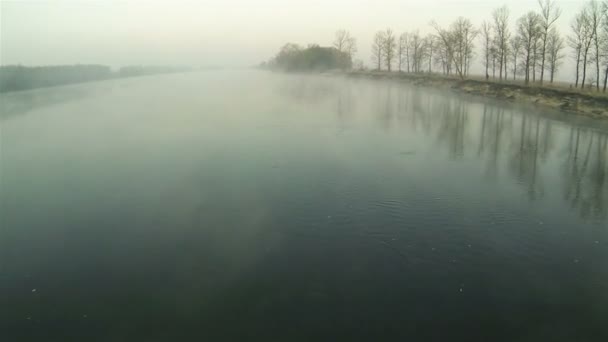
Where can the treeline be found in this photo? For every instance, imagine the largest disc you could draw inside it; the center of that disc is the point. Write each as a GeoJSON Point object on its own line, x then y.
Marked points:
{"type": "Point", "coordinates": [530, 48]}
{"type": "Point", "coordinates": [14, 78]}
{"type": "Point", "coordinates": [292, 57]}
{"type": "Point", "coordinates": [137, 70]}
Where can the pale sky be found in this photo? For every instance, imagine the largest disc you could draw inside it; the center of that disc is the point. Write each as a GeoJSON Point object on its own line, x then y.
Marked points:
{"type": "Point", "coordinates": [216, 32]}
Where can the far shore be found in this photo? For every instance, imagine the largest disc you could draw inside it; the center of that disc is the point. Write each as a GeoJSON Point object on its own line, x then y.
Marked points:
{"type": "Point", "coordinates": [570, 100]}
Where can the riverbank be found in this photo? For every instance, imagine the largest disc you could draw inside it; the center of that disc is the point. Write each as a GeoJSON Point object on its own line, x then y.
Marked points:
{"type": "Point", "coordinates": [18, 78]}
{"type": "Point", "coordinates": [568, 100]}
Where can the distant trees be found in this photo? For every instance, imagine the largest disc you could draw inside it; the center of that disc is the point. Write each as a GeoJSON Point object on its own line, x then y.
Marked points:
{"type": "Point", "coordinates": [292, 57]}
{"type": "Point", "coordinates": [555, 45]}
{"type": "Point", "coordinates": [515, 49]}
{"type": "Point", "coordinates": [502, 35]}
{"type": "Point", "coordinates": [16, 77]}
{"type": "Point", "coordinates": [345, 43]}
{"type": "Point", "coordinates": [486, 36]}
{"type": "Point", "coordinates": [139, 70]}
{"type": "Point", "coordinates": [528, 30]}
{"type": "Point", "coordinates": [378, 49]}
{"type": "Point", "coordinates": [389, 46]}
{"type": "Point", "coordinates": [403, 52]}
{"type": "Point", "coordinates": [549, 13]}
{"type": "Point", "coordinates": [588, 41]}
{"type": "Point", "coordinates": [576, 41]}
{"type": "Point", "coordinates": [417, 51]}
{"type": "Point", "coordinates": [429, 43]}
{"type": "Point", "coordinates": [457, 44]}
{"type": "Point", "coordinates": [604, 35]}
{"type": "Point", "coordinates": [594, 20]}
{"type": "Point", "coordinates": [534, 49]}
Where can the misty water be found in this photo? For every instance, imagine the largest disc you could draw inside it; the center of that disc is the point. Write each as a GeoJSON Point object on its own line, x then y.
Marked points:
{"type": "Point", "coordinates": [249, 205]}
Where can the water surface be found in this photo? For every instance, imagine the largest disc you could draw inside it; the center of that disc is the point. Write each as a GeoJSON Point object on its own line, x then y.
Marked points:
{"type": "Point", "coordinates": [236, 206]}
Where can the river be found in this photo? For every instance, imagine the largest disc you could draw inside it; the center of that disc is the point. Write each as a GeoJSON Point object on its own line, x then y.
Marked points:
{"type": "Point", "coordinates": [249, 205]}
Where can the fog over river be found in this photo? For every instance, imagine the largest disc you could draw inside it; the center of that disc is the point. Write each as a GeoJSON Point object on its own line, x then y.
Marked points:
{"type": "Point", "coordinates": [251, 205]}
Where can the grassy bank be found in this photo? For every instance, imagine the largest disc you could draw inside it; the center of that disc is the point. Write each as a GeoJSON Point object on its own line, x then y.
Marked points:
{"type": "Point", "coordinates": [553, 96]}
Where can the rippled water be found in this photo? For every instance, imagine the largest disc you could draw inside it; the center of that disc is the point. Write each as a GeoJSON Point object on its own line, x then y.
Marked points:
{"type": "Point", "coordinates": [239, 206]}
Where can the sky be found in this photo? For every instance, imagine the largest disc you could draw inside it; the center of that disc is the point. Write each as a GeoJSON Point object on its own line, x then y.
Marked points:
{"type": "Point", "coordinates": [216, 32]}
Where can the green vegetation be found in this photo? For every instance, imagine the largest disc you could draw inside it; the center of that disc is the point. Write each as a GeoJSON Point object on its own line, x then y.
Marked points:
{"type": "Point", "coordinates": [292, 57]}
{"type": "Point", "coordinates": [17, 77]}
{"type": "Point", "coordinates": [13, 78]}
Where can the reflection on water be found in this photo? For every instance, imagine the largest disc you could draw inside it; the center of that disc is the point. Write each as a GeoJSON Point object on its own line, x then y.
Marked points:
{"type": "Point", "coordinates": [237, 206]}
{"type": "Point", "coordinates": [503, 137]}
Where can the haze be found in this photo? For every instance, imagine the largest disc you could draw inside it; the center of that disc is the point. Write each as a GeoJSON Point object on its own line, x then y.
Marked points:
{"type": "Point", "coordinates": [216, 33]}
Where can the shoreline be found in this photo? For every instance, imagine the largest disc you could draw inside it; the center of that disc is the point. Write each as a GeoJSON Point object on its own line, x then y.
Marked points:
{"type": "Point", "coordinates": [592, 105]}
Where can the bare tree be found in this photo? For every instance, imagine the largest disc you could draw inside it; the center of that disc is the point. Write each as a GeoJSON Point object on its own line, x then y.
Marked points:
{"type": "Point", "coordinates": [595, 16]}
{"type": "Point", "coordinates": [441, 56]}
{"type": "Point", "coordinates": [555, 45]}
{"type": "Point", "coordinates": [341, 40]}
{"type": "Point", "coordinates": [528, 28]}
{"type": "Point", "coordinates": [535, 51]}
{"type": "Point", "coordinates": [515, 50]}
{"type": "Point", "coordinates": [345, 43]}
{"type": "Point", "coordinates": [486, 37]}
{"type": "Point", "coordinates": [430, 45]}
{"type": "Point", "coordinates": [446, 40]}
{"type": "Point", "coordinates": [377, 49]}
{"type": "Point", "coordinates": [494, 56]}
{"type": "Point", "coordinates": [458, 43]}
{"type": "Point", "coordinates": [464, 34]}
{"type": "Point", "coordinates": [416, 51]}
{"type": "Point", "coordinates": [501, 35]}
{"type": "Point", "coordinates": [351, 47]}
{"type": "Point", "coordinates": [402, 51]}
{"type": "Point", "coordinates": [587, 40]}
{"type": "Point", "coordinates": [407, 51]}
{"type": "Point", "coordinates": [549, 13]}
{"type": "Point", "coordinates": [389, 47]}
{"type": "Point", "coordinates": [604, 34]}
{"type": "Point", "coordinates": [576, 40]}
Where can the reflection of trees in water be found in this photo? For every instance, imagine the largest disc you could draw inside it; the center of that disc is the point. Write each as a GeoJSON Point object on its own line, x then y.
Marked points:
{"type": "Point", "coordinates": [490, 138]}
{"type": "Point", "coordinates": [385, 110]}
{"type": "Point", "coordinates": [524, 144]}
{"type": "Point", "coordinates": [584, 172]}
{"type": "Point", "coordinates": [524, 156]}
{"type": "Point", "coordinates": [345, 105]}
{"type": "Point", "coordinates": [453, 127]}
{"type": "Point", "coordinates": [309, 89]}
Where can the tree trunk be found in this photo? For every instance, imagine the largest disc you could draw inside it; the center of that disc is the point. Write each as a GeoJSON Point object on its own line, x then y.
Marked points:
{"type": "Point", "coordinates": [578, 63]}
{"type": "Point", "coordinates": [605, 79]}
{"type": "Point", "coordinates": [500, 65]}
{"type": "Point", "coordinates": [534, 66]}
{"type": "Point", "coordinates": [597, 64]}
{"type": "Point", "coordinates": [544, 52]}
{"type": "Point", "coordinates": [584, 71]}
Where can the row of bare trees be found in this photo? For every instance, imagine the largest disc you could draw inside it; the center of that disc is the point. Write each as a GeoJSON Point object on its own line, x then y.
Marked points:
{"type": "Point", "coordinates": [589, 40]}
{"type": "Point", "coordinates": [533, 50]}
